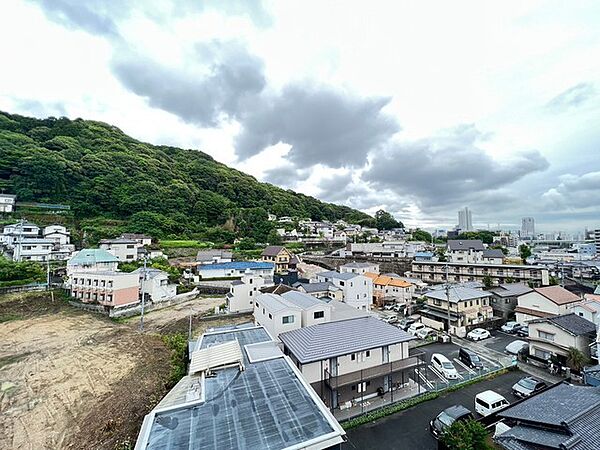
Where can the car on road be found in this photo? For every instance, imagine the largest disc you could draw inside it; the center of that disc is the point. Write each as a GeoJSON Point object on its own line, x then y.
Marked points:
{"type": "Point", "coordinates": [489, 402]}
{"type": "Point", "coordinates": [511, 327]}
{"type": "Point", "coordinates": [447, 417]}
{"type": "Point", "coordinates": [415, 327]}
{"type": "Point", "coordinates": [406, 323]}
{"type": "Point", "coordinates": [389, 307]}
{"type": "Point", "coordinates": [516, 347]}
{"type": "Point", "coordinates": [478, 334]}
{"type": "Point", "coordinates": [469, 358]}
{"type": "Point", "coordinates": [528, 386]}
{"type": "Point", "coordinates": [425, 333]}
{"type": "Point", "coordinates": [444, 366]}
{"type": "Point", "coordinates": [390, 319]}
{"type": "Point", "coordinates": [523, 332]}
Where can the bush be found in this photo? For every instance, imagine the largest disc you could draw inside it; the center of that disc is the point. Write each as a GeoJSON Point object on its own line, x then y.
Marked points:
{"type": "Point", "coordinates": [465, 435]}
{"type": "Point", "coordinates": [178, 344]}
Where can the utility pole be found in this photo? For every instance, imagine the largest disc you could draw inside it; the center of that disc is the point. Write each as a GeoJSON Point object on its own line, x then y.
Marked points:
{"type": "Point", "coordinates": [448, 297]}
{"type": "Point", "coordinates": [143, 299]}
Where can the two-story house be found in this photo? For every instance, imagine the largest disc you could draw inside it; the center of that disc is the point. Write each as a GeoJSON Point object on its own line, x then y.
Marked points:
{"type": "Point", "coordinates": [58, 233]}
{"type": "Point", "coordinates": [360, 268]}
{"type": "Point", "coordinates": [492, 256]}
{"type": "Point", "coordinates": [154, 283]}
{"type": "Point", "coordinates": [7, 203]}
{"type": "Point", "coordinates": [465, 251]}
{"type": "Point", "coordinates": [554, 336]}
{"type": "Point", "coordinates": [589, 308]}
{"type": "Point", "coordinates": [544, 302]}
{"type": "Point", "coordinates": [214, 256]}
{"type": "Point", "coordinates": [321, 290]}
{"type": "Point", "coordinates": [126, 250]}
{"type": "Point", "coordinates": [142, 239]}
{"type": "Point", "coordinates": [19, 231]}
{"type": "Point", "coordinates": [467, 307]}
{"type": "Point", "coordinates": [504, 300]}
{"type": "Point", "coordinates": [242, 293]}
{"type": "Point", "coordinates": [283, 259]}
{"type": "Point", "coordinates": [349, 361]}
{"type": "Point", "coordinates": [387, 289]}
{"type": "Point", "coordinates": [358, 289]}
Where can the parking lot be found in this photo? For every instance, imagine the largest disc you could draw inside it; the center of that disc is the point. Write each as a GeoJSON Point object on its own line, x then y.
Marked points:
{"type": "Point", "coordinates": [409, 429]}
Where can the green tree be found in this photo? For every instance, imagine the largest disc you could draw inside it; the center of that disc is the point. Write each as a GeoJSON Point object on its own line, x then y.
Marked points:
{"type": "Point", "coordinates": [385, 221]}
{"type": "Point", "coordinates": [487, 282]}
{"type": "Point", "coordinates": [421, 235]}
{"type": "Point", "coordinates": [465, 435]}
{"type": "Point", "coordinates": [274, 238]}
{"type": "Point", "coordinates": [524, 252]}
{"type": "Point", "coordinates": [553, 281]}
{"type": "Point", "coordinates": [247, 244]}
{"type": "Point", "coordinates": [576, 359]}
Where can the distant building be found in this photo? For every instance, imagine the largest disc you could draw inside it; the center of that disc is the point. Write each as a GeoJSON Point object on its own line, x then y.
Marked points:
{"type": "Point", "coordinates": [597, 240]}
{"type": "Point", "coordinates": [110, 289]}
{"type": "Point", "coordinates": [92, 260]}
{"type": "Point", "coordinates": [236, 269]}
{"type": "Point", "coordinates": [58, 233]}
{"type": "Point", "coordinates": [141, 239]}
{"type": "Point", "coordinates": [242, 293]}
{"type": "Point", "coordinates": [465, 251]}
{"type": "Point", "coordinates": [527, 228]}
{"type": "Point", "coordinates": [492, 256]}
{"type": "Point", "coordinates": [281, 257]}
{"type": "Point", "coordinates": [124, 249]}
{"type": "Point", "coordinates": [465, 219]}
{"type": "Point", "coordinates": [358, 289]}
{"type": "Point", "coordinates": [24, 241]}
{"type": "Point", "coordinates": [216, 255]}
{"type": "Point", "coordinates": [7, 203]}
{"type": "Point", "coordinates": [360, 268]}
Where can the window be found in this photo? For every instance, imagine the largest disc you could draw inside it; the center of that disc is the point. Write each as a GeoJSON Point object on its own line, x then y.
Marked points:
{"type": "Point", "coordinates": [541, 354]}
{"type": "Point", "coordinates": [129, 256]}
{"type": "Point", "coordinates": [341, 283]}
{"type": "Point", "coordinates": [287, 319]}
{"type": "Point", "coordinates": [368, 353]}
{"type": "Point", "coordinates": [506, 301]}
{"type": "Point", "coordinates": [353, 357]}
{"type": "Point", "coordinates": [318, 314]}
{"type": "Point", "coordinates": [545, 335]}
{"type": "Point", "coordinates": [130, 246]}
{"type": "Point", "coordinates": [270, 317]}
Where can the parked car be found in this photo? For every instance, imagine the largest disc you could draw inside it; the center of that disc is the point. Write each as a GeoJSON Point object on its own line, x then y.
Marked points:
{"type": "Point", "coordinates": [516, 347]}
{"type": "Point", "coordinates": [523, 332]}
{"type": "Point", "coordinates": [415, 327]}
{"type": "Point", "coordinates": [425, 333]}
{"type": "Point", "coordinates": [390, 319]}
{"type": "Point", "coordinates": [406, 323]}
{"type": "Point", "coordinates": [398, 308]}
{"type": "Point", "coordinates": [443, 365]}
{"type": "Point", "coordinates": [389, 306]}
{"type": "Point", "coordinates": [478, 334]}
{"type": "Point", "coordinates": [489, 402]}
{"type": "Point", "coordinates": [511, 327]}
{"type": "Point", "coordinates": [447, 417]}
{"type": "Point", "coordinates": [528, 386]}
{"type": "Point", "coordinates": [469, 358]}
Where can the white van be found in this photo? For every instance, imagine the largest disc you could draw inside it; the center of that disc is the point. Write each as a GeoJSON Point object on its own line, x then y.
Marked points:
{"type": "Point", "coordinates": [415, 327]}
{"type": "Point", "coordinates": [443, 364]}
{"type": "Point", "coordinates": [488, 402]}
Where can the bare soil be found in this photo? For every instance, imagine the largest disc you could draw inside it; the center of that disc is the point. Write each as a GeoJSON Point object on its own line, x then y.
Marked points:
{"type": "Point", "coordinates": [77, 380]}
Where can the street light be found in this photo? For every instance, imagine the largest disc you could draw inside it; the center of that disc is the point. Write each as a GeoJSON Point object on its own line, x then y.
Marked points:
{"type": "Point", "coordinates": [143, 299]}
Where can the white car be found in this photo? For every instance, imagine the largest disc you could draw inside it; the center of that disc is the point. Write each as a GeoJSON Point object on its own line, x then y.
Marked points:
{"type": "Point", "coordinates": [511, 327]}
{"type": "Point", "coordinates": [424, 333]}
{"type": "Point", "coordinates": [415, 327]}
{"type": "Point", "coordinates": [443, 365]}
{"type": "Point", "coordinates": [515, 347]}
{"type": "Point", "coordinates": [478, 334]}
{"type": "Point", "coordinates": [390, 319]}
{"type": "Point", "coordinates": [389, 307]}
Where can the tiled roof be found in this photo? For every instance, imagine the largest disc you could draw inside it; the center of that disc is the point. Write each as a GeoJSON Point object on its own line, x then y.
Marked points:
{"type": "Point", "coordinates": [318, 287]}
{"type": "Point", "coordinates": [276, 289]}
{"type": "Point", "coordinates": [511, 289]}
{"type": "Point", "coordinates": [272, 250]}
{"type": "Point", "coordinates": [237, 265]}
{"type": "Point", "coordinates": [457, 294]}
{"type": "Point", "coordinates": [466, 244]}
{"type": "Point", "coordinates": [557, 294]}
{"type": "Point", "coordinates": [331, 339]}
{"type": "Point", "coordinates": [384, 280]}
{"type": "Point", "coordinates": [337, 275]}
{"type": "Point", "coordinates": [533, 312]}
{"type": "Point", "coordinates": [571, 323]}
{"type": "Point", "coordinates": [493, 253]}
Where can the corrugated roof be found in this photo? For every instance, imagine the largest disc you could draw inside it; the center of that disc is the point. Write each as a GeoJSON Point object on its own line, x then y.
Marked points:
{"type": "Point", "coordinates": [216, 356]}
{"type": "Point", "coordinates": [89, 256]}
{"type": "Point", "coordinates": [302, 300]}
{"type": "Point", "coordinates": [327, 340]}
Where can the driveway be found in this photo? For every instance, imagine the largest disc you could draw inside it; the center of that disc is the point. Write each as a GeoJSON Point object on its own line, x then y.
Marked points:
{"type": "Point", "coordinates": [409, 429]}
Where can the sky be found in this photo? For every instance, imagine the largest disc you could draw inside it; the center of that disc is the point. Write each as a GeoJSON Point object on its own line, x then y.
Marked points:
{"type": "Point", "coordinates": [419, 108]}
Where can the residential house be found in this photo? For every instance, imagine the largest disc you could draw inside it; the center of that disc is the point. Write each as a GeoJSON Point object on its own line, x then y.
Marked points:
{"type": "Point", "coordinates": [110, 289]}
{"type": "Point", "coordinates": [92, 260]}
{"type": "Point", "coordinates": [33, 249]}
{"type": "Point", "coordinates": [276, 315]}
{"type": "Point", "coordinates": [58, 233]}
{"type": "Point", "coordinates": [359, 267]}
{"type": "Point", "coordinates": [435, 272]}
{"type": "Point", "coordinates": [7, 203]}
{"type": "Point", "coordinates": [242, 293]}
{"type": "Point", "coordinates": [276, 289]}
{"type": "Point", "coordinates": [544, 302]}
{"type": "Point", "coordinates": [553, 336]}
{"type": "Point", "coordinates": [241, 392]}
{"type": "Point", "coordinates": [141, 239]}
{"type": "Point", "coordinates": [504, 300]}
{"type": "Point", "coordinates": [25, 241]}
{"type": "Point", "coordinates": [236, 269]}
{"type": "Point", "coordinates": [19, 231]}
{"type": "Point", "coordinates": [154, 283]}
{"type": "Point", "coordinates": [281, 257]}
{"type": "Point", "coordinates": [564, 416]}
{"type": "Point", "coordinates": [358, 289]}
{"type": "Point", "coordinates": [387, 289]}
{"type": "Point", "coordinates": [465, 251]}
{"type": "Point", "coordinates": [214, 256]}
{"type": "Point", "coordinates": [349, 361]}
{"type": "Point", "coordinates": [589, 308]}
{"type": "Point", "coordinates": [322, 290]}
{"type": "Point", "coordinates": [493, 256]}
{"type": "Point", "coordinates": [126, 250]}
{"type": "Point", "coordinates": [467, 307]}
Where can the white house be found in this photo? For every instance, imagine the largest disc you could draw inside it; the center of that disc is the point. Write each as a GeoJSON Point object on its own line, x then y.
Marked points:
{"type": "Point", "coordinates": [214, 256]}
{"type": "Point", "coordinates": [242, 293]}
{"type": "Point", "coordinates": [493, 256]}
{"type": "Point", "coordinates": [544, 302]}
{"type": "Point", "coordinates": [236, 269]}
{"type": "Point", "coordinates": [141, 239]}
{"type": "Point", "coordinates": [124, 249]}
{"type": "Point", "coordinates": [7, 203]}
{"type": "Point", "coordinates": [58, 233]}
{"type": "Point", "coordinates": [33, 249]}
{"type": "Point", "coordinates": [589, 308]}
{"type": "Point", "coordinates": [18, 231]}
{"type": "Point", "coordinates": [360, 268]}
{"type": "Point", "coordinates": [275, 315]}
{"type": "Point", "coordinates": [465, 251]}
{"type": "Point", "coordinates": [156, 285]}
{"type": "Point", "coordinates": [358, 289]}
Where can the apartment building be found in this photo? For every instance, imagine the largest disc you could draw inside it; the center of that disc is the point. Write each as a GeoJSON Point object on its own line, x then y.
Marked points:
{"type": "Point", "coordinates": [467, 307]}
{"type": "Point", "coordinates": [109, 289]}
{"type": "Point", "coordinates": [359, 267]}
{"type": "Point", "coordinates": [435, 272]}
{"type": "Point", "coordinates": [242, 293]}
{"type": "Point", "coordinates": [544, 302]}
{"type": "Point", "coordinates": [357, 289]}
{"type": "Point", "coordinates": [92, 260]}
{"type": "Point", "coordinates": [126, 250]}
{"type": "Point", "coordinates": [349, 361]}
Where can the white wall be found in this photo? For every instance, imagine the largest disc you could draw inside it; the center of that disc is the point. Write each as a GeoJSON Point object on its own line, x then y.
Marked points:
{"type": "Point", "coordinates": [124, 252]}
{"type": "Point", "coordinates": [273, 321]}
{"type": "Point", "coordinates": [243, 295]}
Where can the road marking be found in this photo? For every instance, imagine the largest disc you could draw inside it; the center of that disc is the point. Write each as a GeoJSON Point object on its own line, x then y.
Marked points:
{"type": "Point", "coordinates": [460, 363]}
{"type": "Point", "coordinates": [440, 376]}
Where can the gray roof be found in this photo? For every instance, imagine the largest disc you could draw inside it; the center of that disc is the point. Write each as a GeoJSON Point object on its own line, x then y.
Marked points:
{"type": "Point", "coordinates": [465, 244]}
{"type": "Point", "coordinates": [571, 323]}
{"type": "Point", "coordinates": [327, 340]}
{"type": "Point", "coordinates": [511, 289]}
{"type": "Point", "coordinates": [118, 241]}
{"type": "Point", "coordinates": [274, 303]}
{"type": "Point", "coordinates": [359, 265]}
{"type": "Point", "coordinates": [564, 416]}
{"type": "Point", "coordinates": [265, 406]}
{"type": "Point", "coordinates": [151, 272]}
{"type": "Point", "coordinates": [457, 294]}
{"type": "Point", "coordinates": [340, 276]}
{"type": "Point", "coordinates": [317, 287]}
{"type": "Point", "coordinates": [276, 289]}
{"type": "Point", "coordinates": [302, 300]}
{"type": "Point", "coordinates": [493, 253]}
{"type": "Point", "coordinates": [208, 255]}
{"type": "Point", "coordinates": [272, 250]}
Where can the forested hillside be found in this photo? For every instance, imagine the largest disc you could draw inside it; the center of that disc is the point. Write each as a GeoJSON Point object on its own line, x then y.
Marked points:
{"type": "Point", "coordinates": [111, 180]}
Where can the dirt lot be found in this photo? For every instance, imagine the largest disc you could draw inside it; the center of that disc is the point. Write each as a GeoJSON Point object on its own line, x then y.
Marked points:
{"type": "Point", "coordinates": [71, 379]}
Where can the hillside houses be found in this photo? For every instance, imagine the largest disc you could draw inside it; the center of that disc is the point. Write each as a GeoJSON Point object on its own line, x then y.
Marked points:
{"type": "Point", "coordinates": [25, 241]}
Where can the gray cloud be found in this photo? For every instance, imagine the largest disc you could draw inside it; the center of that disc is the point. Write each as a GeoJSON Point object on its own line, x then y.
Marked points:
{"type": "Point", "coordinates": [574, 193]}
{"type": "Point", "coordinates": [287, 176]}
{"type": "Point", "coordinates": [448, 169]}
{"type": "Point", "coordinates": [234, 78]}
{"type": "Point", "coordinates": [573, 97]}
{"type": "Point", "coordinates": [39, 109]}
{"type": "Point", "coordinates": [322, 125]}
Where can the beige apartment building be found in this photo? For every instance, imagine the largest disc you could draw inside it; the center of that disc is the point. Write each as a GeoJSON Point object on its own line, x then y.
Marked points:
{"type": "Point", "coordinates": [110, 289]}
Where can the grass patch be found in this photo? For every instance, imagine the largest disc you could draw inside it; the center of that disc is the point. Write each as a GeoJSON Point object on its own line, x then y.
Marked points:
{"type": "Point", "coordinates": [177, 343]}
{"type": "Point", "coordinates": [409, 403]}
{"type": "Point", "coordinates": [10, 317]}
{"type": "Point", "coordinates": [185, 244]}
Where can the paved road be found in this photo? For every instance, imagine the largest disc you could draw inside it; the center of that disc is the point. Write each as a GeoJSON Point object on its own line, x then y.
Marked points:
{"type": "Point", "coordinates": [409, 429]}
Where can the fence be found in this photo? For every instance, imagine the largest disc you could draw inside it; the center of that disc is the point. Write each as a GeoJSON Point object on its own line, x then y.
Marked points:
{"type": "Point", "coordinates": [23, 288]}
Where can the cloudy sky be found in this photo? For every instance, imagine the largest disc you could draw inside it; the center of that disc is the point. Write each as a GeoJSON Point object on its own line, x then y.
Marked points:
{"type": "Point", "coordinates": [419, 108]}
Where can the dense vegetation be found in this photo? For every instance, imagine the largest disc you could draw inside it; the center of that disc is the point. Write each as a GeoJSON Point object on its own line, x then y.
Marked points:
{"type": "Point", "coordinates": [18, 273]}
{"type": "Point", "coordinates": [115, 183]}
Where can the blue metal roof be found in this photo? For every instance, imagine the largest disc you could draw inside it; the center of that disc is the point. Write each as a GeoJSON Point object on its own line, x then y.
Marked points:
{"type": "Point", "coordinates": [89, 256]}
{"type": "Point", "coordinates": [238, 265]}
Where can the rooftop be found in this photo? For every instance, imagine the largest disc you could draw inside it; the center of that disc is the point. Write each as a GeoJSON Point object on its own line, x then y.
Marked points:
{"type": "Point", "coordinates": [511, 289]}
{"type": "Point", "coordinates": [466, 244]}
{"type": "Point", "coordinates": [237, 265]}
{"type": "Point", "coordinates": [331, 339]}
{"type": "Point", "coordinates": [90, 256]}
{"type": "Point", "coordinates": [208, 255]}
{"type": "Point", "coordinates": [457, 294]}
{"type": "Point", "coordinates": [557, 294]}
{"type": "Point", "coordinates": [359, 265]}
{"type": "Point", "coordinates": [301, 299]}
{"type": "Point", "coordinates": [571, 323]}
{"type": "Point", "coordinates": [276, 289]}
{"type": "Point", "coordinates": [493, 253]}
{"type": "Point", "coordinates": [340, 276]}
{"type": "Point", "coordinates": [265, 406]}
{"type": "Point", "coordinates": [318, 287]}
{"type": "Point", "coordinates": [118, 241]}
{"type": "Point", "coordinates": [273, 250]}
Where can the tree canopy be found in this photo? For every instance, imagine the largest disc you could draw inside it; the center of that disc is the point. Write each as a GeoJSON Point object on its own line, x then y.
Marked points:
{"type": "Point", "coordinates": [385, 221]}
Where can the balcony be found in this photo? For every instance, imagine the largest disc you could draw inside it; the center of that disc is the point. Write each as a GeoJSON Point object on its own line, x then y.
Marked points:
{"type": "Point", "coordinates": [374, 372]}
